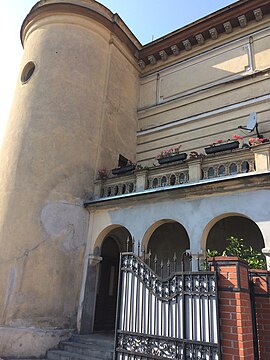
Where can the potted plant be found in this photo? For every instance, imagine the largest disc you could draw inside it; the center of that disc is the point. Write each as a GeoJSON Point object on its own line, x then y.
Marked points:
{"type": "Point", "coordinates": [102, 174]}
{"type": "Point", "coordinates": [129, 167]}
{"type": "Point", "coordinates": [195, 155]}
{"type": "Point", "coordinates": [257, 141]}
{"type": "Point", "coordinates": [220, 145]}
{"type": "Point", "coordinates": [170, 155]}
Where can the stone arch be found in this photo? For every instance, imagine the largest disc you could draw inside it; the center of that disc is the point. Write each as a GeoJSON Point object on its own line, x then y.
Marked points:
{"type": "Point", "coordinates": [99, 307]}
{"type": "Point", "coordinates": [231, 224]}
{"type": "Point", "coordinates": [151, 230]}
{"type": "Point", "coordinates": [114, 242]}
{"type": "Point", "coordinates": [111, 230]}
{"type": "Point", "coordinates": [165, 239]}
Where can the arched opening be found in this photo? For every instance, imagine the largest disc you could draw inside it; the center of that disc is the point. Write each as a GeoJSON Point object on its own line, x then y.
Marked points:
{"type": "Point", "coordinates": [107, 279]}
{"type": "Point", "coordinates": [236, 226]}
{"type": "Point", "coordinates": [168, 244]}
{"type": "Point", "coordinates": [107, 285]}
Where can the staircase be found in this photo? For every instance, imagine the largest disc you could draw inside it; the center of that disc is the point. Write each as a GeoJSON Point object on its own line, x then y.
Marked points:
{"type": "Point", "coordinates": [85, 347]}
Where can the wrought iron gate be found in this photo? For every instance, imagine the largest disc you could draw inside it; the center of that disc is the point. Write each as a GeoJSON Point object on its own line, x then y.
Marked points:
{"type": "Point", "coordinates": [172, 318]}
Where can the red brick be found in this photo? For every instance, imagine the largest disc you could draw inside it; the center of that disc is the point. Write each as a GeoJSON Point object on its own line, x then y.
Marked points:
{"type": "Point", "coordinates": [226, 336]}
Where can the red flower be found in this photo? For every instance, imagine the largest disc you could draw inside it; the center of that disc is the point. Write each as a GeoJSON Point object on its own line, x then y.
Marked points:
{"type": "Point", "coordinates": [237, 137]}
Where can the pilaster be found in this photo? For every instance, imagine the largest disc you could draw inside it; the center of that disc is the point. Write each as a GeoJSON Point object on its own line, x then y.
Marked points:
{"type": "Point", "coordinates": [262, 157]}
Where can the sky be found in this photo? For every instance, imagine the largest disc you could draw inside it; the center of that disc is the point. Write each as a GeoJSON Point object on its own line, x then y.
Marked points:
{"type": "Point", "coordinates": [147, 19]}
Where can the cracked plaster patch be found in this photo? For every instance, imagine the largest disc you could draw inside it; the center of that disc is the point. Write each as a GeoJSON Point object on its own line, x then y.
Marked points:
{"type": "Point", "coordinates": [67, 221]}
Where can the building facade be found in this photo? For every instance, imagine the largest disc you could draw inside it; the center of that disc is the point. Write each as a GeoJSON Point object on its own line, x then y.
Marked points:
{"type": "Point", "coordinates": [89, 91]}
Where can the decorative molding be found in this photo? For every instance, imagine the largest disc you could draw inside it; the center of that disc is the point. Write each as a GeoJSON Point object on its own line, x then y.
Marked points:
{"type": "Point", "coordinates": [242, 21]}
{"type": "Point", "coordinates": [266, 252]}
{"type": "Point", "coordinates": [258, 14]}
{"type": "Point", "coordinates": [141, 64]}
{"type": "Point", "coordinates": [207, 114]}
{"type": "Point", "coordinates": [223, 22]}
{"type": "Point", "coordinates": [200, 39]}
{"type": "Point", "coordinates": [187, 44]}
{"type": "Point", "coordinates": [213, 33]}
{"type": "Point", "coordinates": [163, 55]}
{"type": "Point", "coordinates": [137, 54]}
{"type": "Point", "coordinates": [152, 59]}
{"type": "Point", "coordinates": [175, 49]}
{"type": "Point", "coordinates": [222, 185]}
{"type": "Point", "coordinates": [184, 70]}
{"type": "Point", "coordinates": [228, 27]}
{"type": "Point", "coordinates": [94, 260]}
{"type": "Point", "coordinates": [185, 38]}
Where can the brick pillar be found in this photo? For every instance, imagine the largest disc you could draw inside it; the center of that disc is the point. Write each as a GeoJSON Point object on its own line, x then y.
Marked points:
{"type": "Point", "coordinates": [261, 281]}
{"type": "Point", "coordinates": [235, 308]}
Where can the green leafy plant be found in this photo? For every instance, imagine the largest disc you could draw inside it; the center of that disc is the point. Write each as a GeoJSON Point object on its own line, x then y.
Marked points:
{"type": "Point", "coordinates": [212, 253]}
{"type": "Point", "coordinates": [236, 247]}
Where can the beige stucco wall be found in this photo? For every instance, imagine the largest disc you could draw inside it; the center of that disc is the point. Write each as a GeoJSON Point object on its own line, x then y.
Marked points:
{"type": "Point", "coordinates": [75, 115]}
{"type": "Point", "coordinates": [205, 95]}
{"type": "Point", "coordinates": [60, 132]}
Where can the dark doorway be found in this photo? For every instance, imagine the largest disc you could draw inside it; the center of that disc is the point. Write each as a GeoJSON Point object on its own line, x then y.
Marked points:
{"type": "Point", "coordinates": [107, 286]}
{"type": "Point", "coordinates": [168, 242]}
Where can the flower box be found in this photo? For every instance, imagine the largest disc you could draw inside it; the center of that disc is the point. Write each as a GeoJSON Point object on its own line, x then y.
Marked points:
{"type": "Point", "coordinates": [176, 157]}
{"type": "Point", "coordinates": [123, 169]}
{"type": "Point", "coordinates": [229, 146]}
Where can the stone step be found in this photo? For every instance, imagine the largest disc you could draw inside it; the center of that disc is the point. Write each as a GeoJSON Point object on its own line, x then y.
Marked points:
{"type": "Point", "coordinates": [88, 349]}
{"type": "Point", "coordinates": [98, 346]}
{"type": "Point", "coordinates": [102, 339]}
{"type": "Point", "coordinates": [65, 355]}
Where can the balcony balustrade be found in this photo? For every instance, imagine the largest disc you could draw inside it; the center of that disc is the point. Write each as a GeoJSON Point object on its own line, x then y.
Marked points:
{"type": "Point", "coordinates": [193, 170]}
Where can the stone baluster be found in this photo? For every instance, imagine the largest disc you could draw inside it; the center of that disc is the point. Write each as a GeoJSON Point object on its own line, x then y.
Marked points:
{"type": "Point", "coordinates": [262, 157]}
{"type": "Point", "coordinates": [195, 170]}
{"type": "Point", "coordinates": [141, 180]}
{"type": "Point", "coordinates": [98, 185]}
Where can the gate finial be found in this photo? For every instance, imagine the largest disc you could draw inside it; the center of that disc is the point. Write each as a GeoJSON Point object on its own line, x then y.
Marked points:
{"type": "Point", "coordinates": [143, 254]}
{"type": "Point", "coordinates": [161, 268]}
{"type": "Point", "coordinates": [169, 267]}
{"type": "Point", "coordinates": [133, 245]}
{"type": "Point", "coordinates": [139, 246]}
{"type": "Point", "coordinates": [149, 257]}
{"type": "Point", "coordinates": [174, 261]}
{"type": "Point", "coordinates": [155, 261]}
{"type": "Point", "coordinates": [128, 244]}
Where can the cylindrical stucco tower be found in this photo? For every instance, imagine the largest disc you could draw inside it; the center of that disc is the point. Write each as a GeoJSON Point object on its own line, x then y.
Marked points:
{"type": "Point", "coordinates": [76, 97]}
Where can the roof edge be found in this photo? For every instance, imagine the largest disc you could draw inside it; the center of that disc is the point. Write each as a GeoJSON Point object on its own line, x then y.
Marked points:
{"type": "Point", "coordinates": [90, 9]}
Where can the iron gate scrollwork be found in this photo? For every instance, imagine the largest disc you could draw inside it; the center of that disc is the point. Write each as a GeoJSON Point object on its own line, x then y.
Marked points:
{"type": "Point", "coordinates": [172, 318]}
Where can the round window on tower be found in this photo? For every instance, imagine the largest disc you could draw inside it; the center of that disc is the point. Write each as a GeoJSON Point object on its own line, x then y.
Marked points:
{"type": "Point", "coordinates": [27, 72]}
